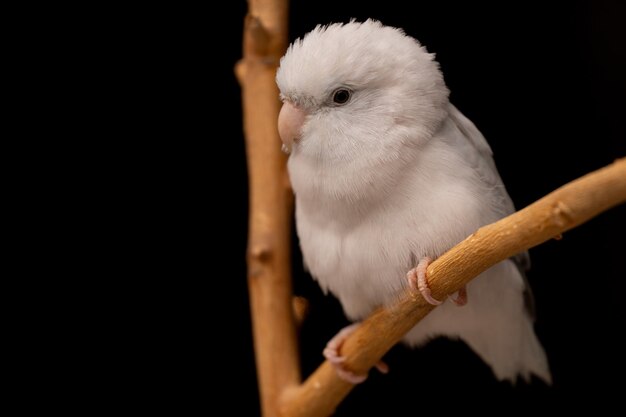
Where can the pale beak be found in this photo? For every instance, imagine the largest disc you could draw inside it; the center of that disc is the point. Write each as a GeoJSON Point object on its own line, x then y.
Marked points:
{"type": "Point", "coordinates": [290, 121]}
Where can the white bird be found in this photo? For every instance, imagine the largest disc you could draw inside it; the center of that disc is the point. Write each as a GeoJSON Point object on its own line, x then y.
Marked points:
{"type": "Point", "coordinates": [387, 175]}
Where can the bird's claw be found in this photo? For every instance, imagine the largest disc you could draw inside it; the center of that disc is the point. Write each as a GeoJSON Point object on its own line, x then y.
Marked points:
{"type": "Point", "coordinates": [331, 353]}
{"type": "Point", "coordinates": [461, 298]}
{"type": "Point", "coordinates": [418, 282]}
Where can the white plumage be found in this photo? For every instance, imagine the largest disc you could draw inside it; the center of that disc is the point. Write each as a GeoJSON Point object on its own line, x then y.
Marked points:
{"type": "Point", "coordinates": [394, 174]}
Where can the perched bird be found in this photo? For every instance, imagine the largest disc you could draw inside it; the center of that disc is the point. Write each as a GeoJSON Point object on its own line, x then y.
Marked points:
{"type": "Point", "coordinates": [388, 175]}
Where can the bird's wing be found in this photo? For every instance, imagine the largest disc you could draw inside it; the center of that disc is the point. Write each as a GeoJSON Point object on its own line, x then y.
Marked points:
{"type": "Point", "coordinates": [471, 132]}
{"type": "Point", "coordinates": [522, 262]}
{"type": "Point", "coordinates": [480, 157]}
{"type": "Point", "coordinates": [482, 161]}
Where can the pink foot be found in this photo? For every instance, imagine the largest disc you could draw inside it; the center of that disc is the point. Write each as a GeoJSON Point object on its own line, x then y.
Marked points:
{"type": "Point", "coordinates": [417, 280]}
{"type": "Point", "coordinates": [331, 352]}
{"type": "Point", "coordinates": [461, 298]}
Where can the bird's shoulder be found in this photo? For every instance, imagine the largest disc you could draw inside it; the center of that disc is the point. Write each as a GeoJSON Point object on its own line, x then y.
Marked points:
{"type": "Point", "coordinates": [461, 134]}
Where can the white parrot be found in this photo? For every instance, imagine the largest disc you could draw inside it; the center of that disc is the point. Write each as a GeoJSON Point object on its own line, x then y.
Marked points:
{"type": "Point", "coordinates": [388, 175]}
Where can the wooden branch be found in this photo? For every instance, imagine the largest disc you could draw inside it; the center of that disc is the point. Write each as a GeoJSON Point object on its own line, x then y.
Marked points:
{"type": "Point", "coordinates": [300, 309]}
{"type": "Point", "coordinates": [269, 281]}
{"type": "Point", "coordinates": [559, 211]}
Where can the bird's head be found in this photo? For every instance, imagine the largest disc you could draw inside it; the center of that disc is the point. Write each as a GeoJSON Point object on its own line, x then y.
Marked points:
{"type": "Point", "coordinates": [358, 93]}
{"type": "Point", "coordinates": [360, 102]}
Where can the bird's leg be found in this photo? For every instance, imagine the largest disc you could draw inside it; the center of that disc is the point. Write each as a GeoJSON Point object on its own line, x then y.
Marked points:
{"type": "Point", "coordinates": [417, 282]}
{"type": "Point", "coordinates": [332, 354]}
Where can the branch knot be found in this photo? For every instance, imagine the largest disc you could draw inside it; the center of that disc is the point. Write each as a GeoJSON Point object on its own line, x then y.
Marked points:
{"type": "Point", "coordinates": [562, 214]}
{"type": "Point", "coordinates": [257, 37]}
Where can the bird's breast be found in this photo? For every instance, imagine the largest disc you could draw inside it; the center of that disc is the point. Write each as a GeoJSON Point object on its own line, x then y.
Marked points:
{"type": "Point", "coordinates": [363, 264]}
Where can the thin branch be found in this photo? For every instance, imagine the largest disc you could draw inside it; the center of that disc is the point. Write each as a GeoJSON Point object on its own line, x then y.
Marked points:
{"type": "Point", "coordinates": [269, 281]}
{"type": "Point", "coordinates": [559, 211]}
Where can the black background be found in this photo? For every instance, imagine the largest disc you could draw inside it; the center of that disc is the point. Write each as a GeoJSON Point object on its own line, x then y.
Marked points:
{"type": "Point", "coordinates": [546, 86]}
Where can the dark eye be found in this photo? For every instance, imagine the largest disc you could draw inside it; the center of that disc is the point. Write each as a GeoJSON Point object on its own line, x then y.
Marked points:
{"type": "Point", "coordinates": [341, 96]}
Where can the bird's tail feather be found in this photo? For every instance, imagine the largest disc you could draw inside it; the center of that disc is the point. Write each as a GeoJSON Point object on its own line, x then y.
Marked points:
{"type": "Point", "coordinates": [532, 358]}
{"type": "Point", "coordinates": [494, 324]}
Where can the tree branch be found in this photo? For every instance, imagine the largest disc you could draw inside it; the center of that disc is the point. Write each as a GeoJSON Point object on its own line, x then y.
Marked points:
{"type": "Point", "coordinates": [559, 211]}
{"type": "Point", "coordinates": [271, 201]}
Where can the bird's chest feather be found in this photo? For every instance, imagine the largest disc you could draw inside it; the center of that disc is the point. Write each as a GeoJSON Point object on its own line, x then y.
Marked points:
{"type": "Point", "coordinates": [362, 258]}
{"type": "Point", "coordinates": [362, 265]}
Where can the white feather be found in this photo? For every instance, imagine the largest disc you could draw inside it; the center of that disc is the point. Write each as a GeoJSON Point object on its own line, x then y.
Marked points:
{"type": "Point", "coordinates": [394, 175]}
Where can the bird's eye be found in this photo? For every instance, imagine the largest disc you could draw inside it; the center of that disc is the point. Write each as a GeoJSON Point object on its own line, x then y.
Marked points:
{"type": "Point", "coordinates": [341, 96]}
